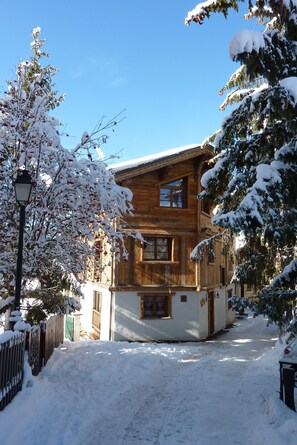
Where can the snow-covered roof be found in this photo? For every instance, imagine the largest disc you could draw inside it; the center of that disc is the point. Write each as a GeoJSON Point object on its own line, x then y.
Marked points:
{"type": "Point", "coordinates": [126, 165]}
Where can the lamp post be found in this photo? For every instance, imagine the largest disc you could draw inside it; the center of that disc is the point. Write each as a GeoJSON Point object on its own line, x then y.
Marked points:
{"type": "Point", "coordinates": [23, 186]}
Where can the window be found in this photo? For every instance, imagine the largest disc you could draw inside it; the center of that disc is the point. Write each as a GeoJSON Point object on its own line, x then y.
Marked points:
{"type": "Point", "coordinates": [174, 194]}
{"type": "Point", "coordinates": [155, 306]}
{"type": "Point", "coordinates": [97, 301]}
{"type": "Point", "coordinates": [96, 313]}
{"type": "Point", "coordinates": [157, 249]}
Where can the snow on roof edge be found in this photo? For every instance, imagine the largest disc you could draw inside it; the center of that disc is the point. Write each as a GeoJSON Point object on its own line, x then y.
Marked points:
{"type": "Point", "coordinates": [150, 158]}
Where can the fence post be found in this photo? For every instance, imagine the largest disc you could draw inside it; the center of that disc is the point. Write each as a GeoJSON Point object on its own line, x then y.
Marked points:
{"type": "Point", "coordinates": [34, 357]}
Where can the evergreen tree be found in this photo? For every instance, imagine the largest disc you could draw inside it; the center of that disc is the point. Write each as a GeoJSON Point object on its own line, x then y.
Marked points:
{"type": "Point", "coordinates": [253, 181]}
{"type": "Point", "coordinates": [76, 201]}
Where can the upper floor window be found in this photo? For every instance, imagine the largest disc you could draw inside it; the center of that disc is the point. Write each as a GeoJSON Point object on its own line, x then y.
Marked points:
{"type": "Point", "coordinates": [174, 194]}
{"type": "Point", "coordinates": [157, 249]}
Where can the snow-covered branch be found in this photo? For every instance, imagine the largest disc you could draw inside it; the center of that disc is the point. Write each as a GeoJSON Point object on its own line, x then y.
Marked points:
{"type": "Point", "coordinates": [76, 200]}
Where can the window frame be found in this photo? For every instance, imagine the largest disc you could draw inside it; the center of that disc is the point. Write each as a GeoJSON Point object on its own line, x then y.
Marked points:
{"type": "Point", "coordinates": [171, 189]}
{"type": "Point", "coordinates": [156, 252]}
{"type": "Point", "coordinates": [168, 306]}
{"type": "Point", "coordinates": [97, 301]}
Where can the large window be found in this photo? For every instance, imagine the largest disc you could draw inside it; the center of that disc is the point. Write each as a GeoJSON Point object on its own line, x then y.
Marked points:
{"type": "Point", "coordinates": [157, 249]}
{"type": "Point", "coordinates": [155, 306]}
{"type": "Point", "coordinates": [174, 194]}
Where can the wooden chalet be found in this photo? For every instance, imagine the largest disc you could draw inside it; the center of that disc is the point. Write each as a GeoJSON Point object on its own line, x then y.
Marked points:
{"type": "Point", "coordinates": [159, 294]}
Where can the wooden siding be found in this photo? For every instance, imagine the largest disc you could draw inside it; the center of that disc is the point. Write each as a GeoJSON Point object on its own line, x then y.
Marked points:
{"type": "Point", "coordinates": [186, 226]}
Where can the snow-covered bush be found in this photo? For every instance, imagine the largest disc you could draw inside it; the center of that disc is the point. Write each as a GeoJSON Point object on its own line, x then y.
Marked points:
{"type": "Point", "coordinates": [239, 304]}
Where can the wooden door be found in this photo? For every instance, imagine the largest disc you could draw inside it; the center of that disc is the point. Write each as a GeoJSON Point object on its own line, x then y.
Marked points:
{"type": "Point", "coordinates": [96, 314]}
{"type": "Point", "coordinates": [210, 312]}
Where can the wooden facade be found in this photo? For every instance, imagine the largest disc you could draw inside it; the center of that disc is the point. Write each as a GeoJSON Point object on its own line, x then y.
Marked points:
{"type": "Point", "coordinates": [185, 226]}
{"type": "Point", "coordinates": [158, 293]}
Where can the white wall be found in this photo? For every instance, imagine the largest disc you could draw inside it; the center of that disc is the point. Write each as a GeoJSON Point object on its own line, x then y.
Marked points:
{"type": "Point", "coordinates": [87, 308]}
{"type": "Point", "coordinates": [203, 315]}
{"type": "Point", "coordinates": [186, 323]}
{"type": "Point", "coordinates": [230, 312]}
{"type": "Point", "coordinates": [189, 319]}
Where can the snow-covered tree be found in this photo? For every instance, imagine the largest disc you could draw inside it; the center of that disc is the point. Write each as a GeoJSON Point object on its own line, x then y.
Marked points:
{"type": "Point", "coordinates": [76, 201]}
{"type": "Point", "coordinates": [253, 181]}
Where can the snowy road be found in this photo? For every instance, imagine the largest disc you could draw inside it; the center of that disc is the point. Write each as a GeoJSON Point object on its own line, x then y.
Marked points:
{"type": "Point", "coordinates": [212, 393]}
{"type": "Point", "coordinates": [201, 392]}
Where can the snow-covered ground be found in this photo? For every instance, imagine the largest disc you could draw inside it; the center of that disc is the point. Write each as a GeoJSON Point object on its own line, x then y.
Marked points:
{"type": "Point", "coordinates": [219, 392]}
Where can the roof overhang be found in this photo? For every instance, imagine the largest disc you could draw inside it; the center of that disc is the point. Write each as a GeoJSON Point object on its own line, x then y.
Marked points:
{"type": "Point", "coordinates": [128, 170]}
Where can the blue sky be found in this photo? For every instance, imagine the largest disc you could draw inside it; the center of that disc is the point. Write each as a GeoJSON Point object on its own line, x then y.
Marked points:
{"type": "Point", "coordinates": [130, 55]}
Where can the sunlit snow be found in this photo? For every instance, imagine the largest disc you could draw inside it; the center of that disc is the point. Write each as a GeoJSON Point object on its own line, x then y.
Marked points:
{"type": "Point", "coordinates": [219, 392]}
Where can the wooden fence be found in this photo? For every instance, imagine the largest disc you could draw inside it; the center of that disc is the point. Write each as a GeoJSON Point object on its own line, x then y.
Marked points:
{"type": "Point", "coordinates": [42, 341]}
{"type": "Point", "coordinates": [11, 366]}
{"type": "Point", "coordinates": [34, 347]}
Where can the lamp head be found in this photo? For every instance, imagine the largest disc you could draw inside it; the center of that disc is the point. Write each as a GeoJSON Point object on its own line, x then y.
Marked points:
{"type": "Point", "coordinates": [23, 186]}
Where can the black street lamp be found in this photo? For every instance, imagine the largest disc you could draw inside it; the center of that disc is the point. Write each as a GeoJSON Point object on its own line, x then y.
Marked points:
{"type": "Point", "coordinates": [23, 186]}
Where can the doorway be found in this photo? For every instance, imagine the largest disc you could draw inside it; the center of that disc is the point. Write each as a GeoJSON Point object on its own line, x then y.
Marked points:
{"type": "Point", "coordinates": [210, 312]}
{"type": "Point", "coordinates": [96, 314]}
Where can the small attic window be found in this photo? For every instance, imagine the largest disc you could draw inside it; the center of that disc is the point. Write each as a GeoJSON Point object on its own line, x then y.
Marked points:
{"type": "Point", "coordinates": [174, 194]}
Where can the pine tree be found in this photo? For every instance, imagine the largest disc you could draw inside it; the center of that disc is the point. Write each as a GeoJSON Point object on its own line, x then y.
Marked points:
{"type": "Point", "coordinates": [253, 181]}
{"type": "Point", "coordinates": [76, 201]}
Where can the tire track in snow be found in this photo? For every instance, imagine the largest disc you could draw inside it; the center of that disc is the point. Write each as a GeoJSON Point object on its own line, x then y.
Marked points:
{"type": "Point", "coordinates": [185, 396]}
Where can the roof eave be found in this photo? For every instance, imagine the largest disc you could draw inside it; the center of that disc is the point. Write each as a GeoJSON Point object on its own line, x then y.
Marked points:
{"type": "Point", "coordinates": [162, 162]}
